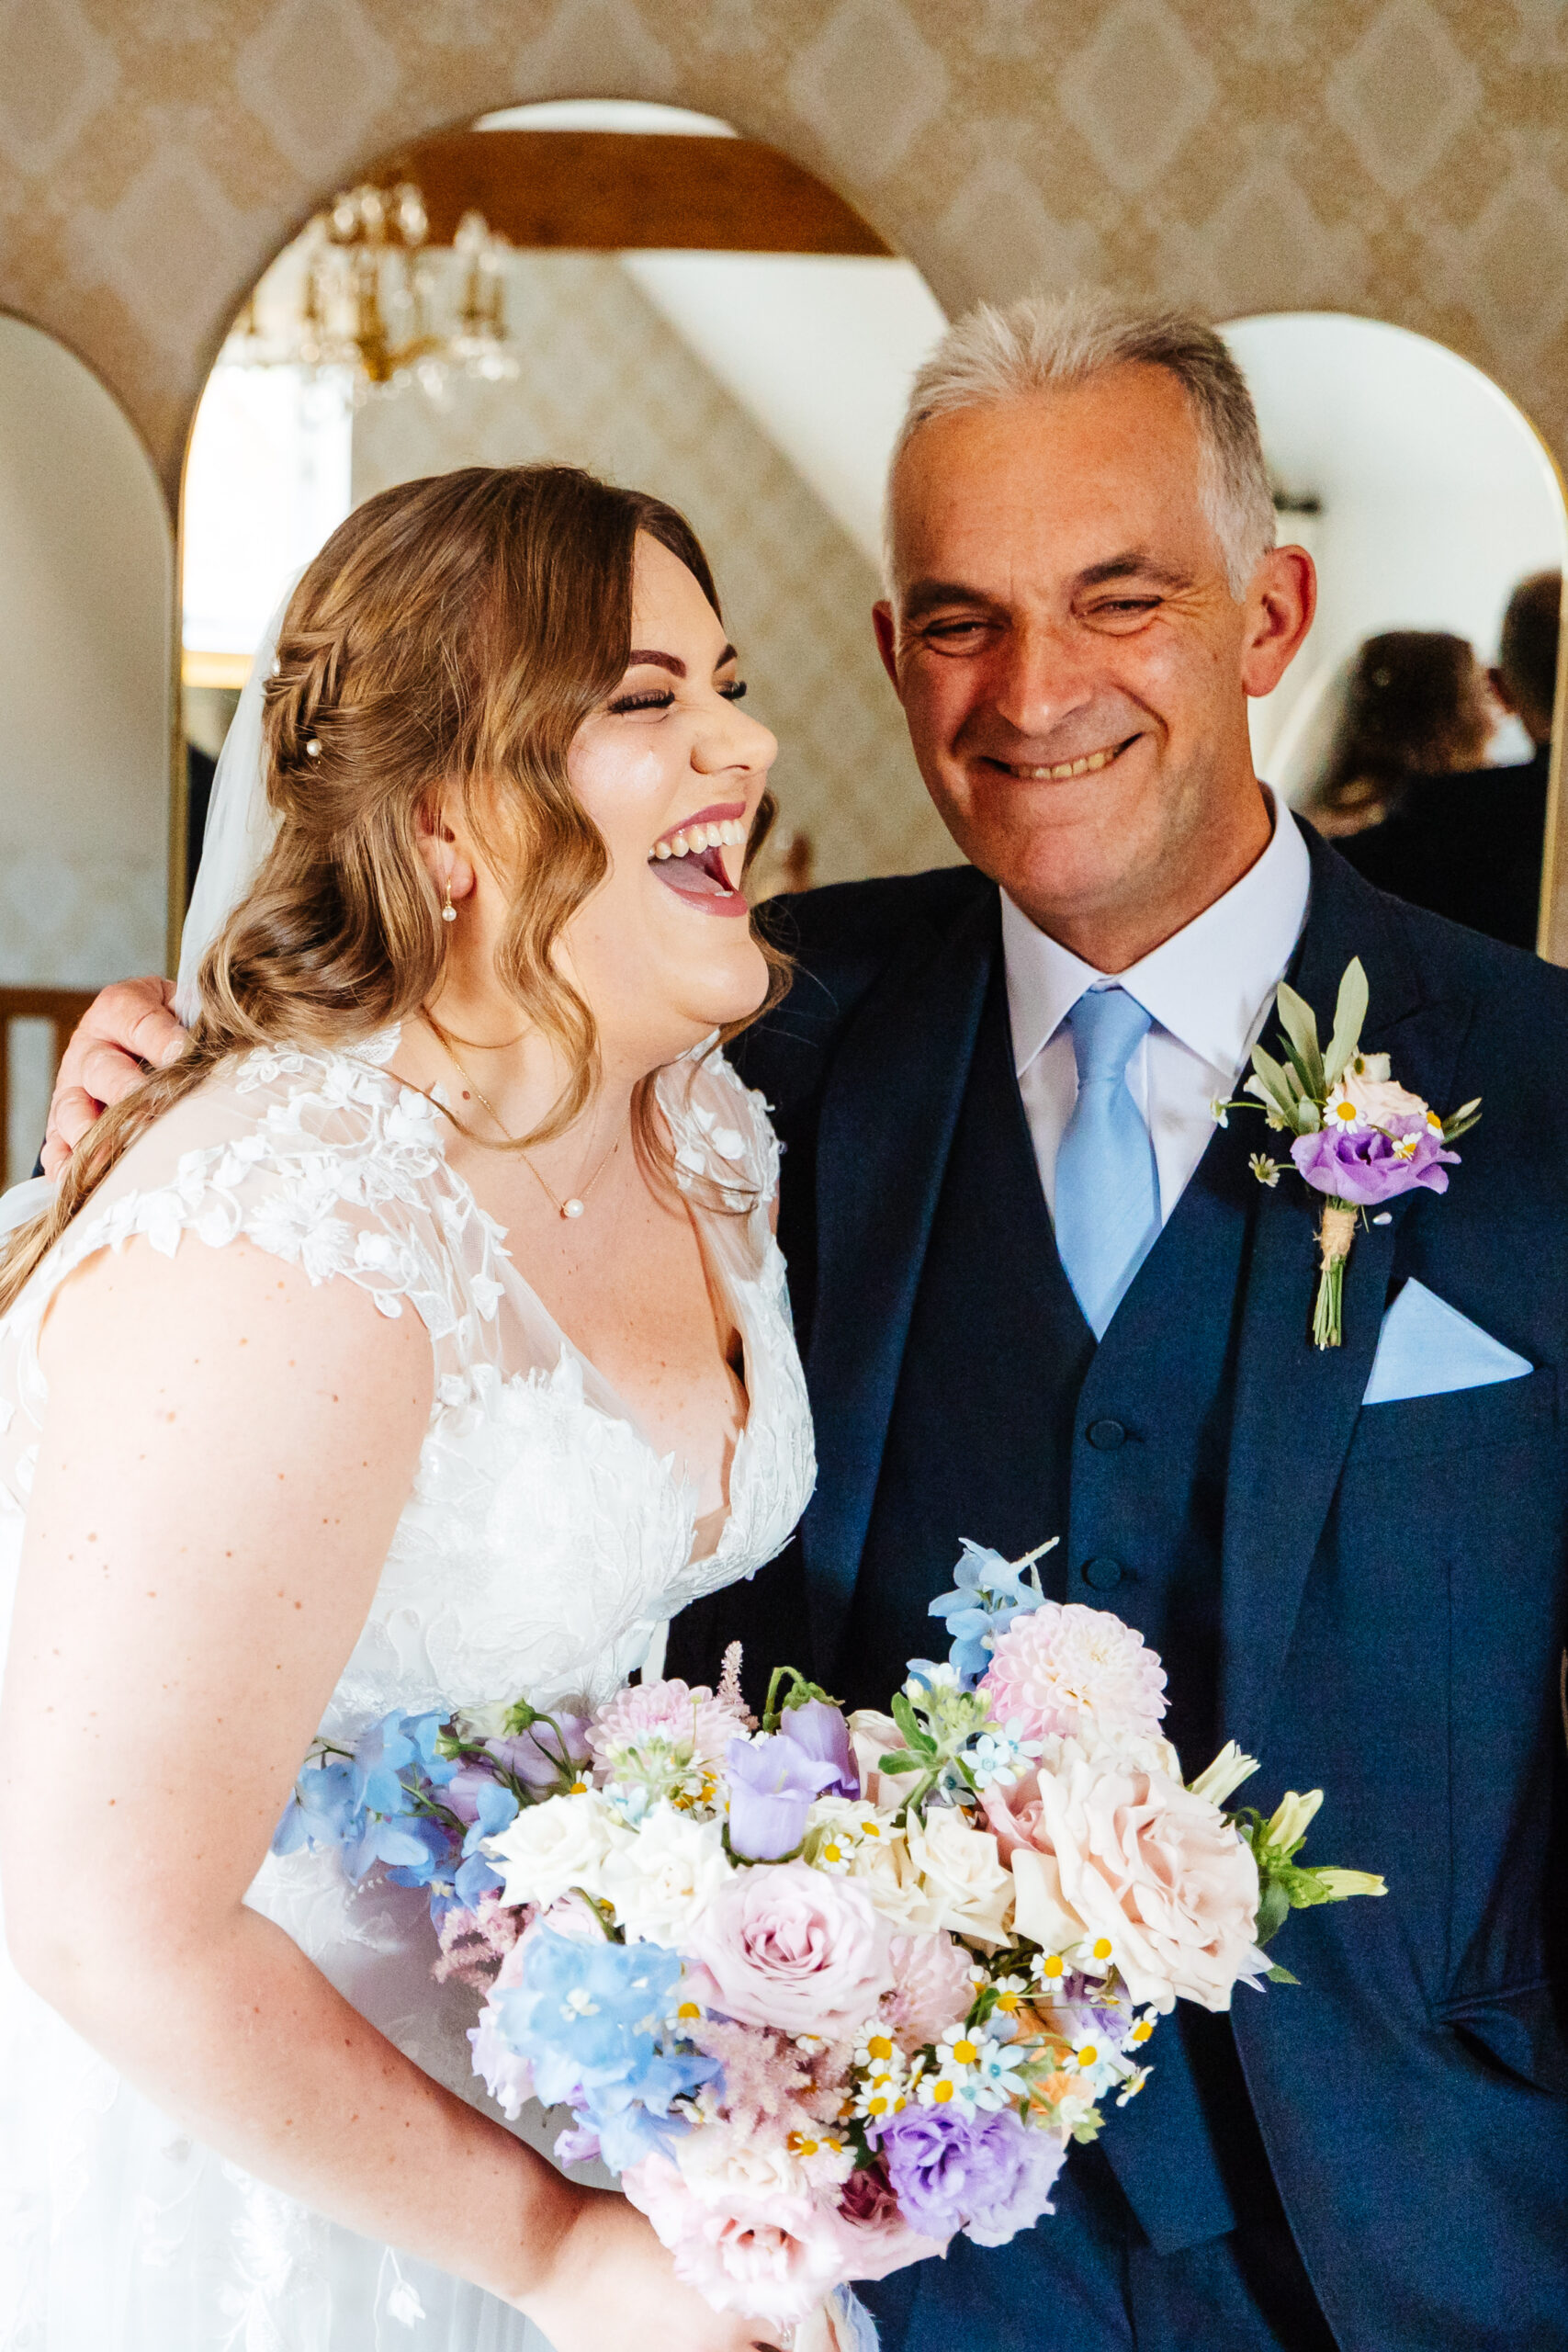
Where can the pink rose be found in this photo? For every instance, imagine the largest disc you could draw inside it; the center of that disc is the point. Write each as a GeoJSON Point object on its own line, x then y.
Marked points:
{"type": "Point", "coordinates": [931, 1991]}
{"type": "Point", "coordinates": [787, 1946]}
{"type": "Point", "coordinates": [1013, 1814]}
{"type": "Point", "coordinates": [777, 2258]}
{"type": "Point", "coordinates": [1064, 1668]}
{"type": "Point", "coordinates": [876, 2237]}
{"type": "Point", "coordinates": [1154, 1871]}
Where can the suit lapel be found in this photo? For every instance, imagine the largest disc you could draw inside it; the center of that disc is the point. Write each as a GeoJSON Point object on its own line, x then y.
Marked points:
{"type": "Point", "coordinates": [886, 1133]}
{"type": "Point", "coordinates": [1296, 1404]}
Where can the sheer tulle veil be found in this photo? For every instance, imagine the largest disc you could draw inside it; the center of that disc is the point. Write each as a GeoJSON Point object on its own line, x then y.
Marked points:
{"type": "Point", "coordinates": [240, 825]}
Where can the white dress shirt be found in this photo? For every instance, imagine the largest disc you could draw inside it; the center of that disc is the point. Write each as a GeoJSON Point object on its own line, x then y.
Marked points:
{"type": "Point", "coordinates": [1208, 990]}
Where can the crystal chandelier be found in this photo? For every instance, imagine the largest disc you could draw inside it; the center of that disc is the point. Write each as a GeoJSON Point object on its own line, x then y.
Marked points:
{"type": "Point", "coordinates": [362, 288]}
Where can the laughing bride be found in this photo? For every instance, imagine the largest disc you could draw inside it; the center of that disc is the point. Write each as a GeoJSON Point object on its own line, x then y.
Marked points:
{"type": "Point", "coordinates": [417, 1339]}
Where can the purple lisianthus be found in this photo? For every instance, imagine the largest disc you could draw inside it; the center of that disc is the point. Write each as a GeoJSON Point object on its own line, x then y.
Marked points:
{"type": "Point", "coordinates": [772, 1783]}
{"type": "Point", "coordinates": [987, 2174]}
{"type": "Point", "coordinates": [1365, 1167]}
{"type": "Point", "coordinates": [821, 1732]}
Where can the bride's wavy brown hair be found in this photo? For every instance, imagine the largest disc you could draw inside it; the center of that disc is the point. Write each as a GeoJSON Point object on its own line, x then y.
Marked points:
{"type": "Point", "coordinates": [452, 633]}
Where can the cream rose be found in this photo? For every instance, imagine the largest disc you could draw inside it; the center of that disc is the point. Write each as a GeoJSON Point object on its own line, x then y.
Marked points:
{"type": "Point", "coordinates": [551, 1848]}
{"type": "Point", "coordinates": [967, 1890]}
{"type": "Point", "coordinates": [1153, 1869]}
{"type": "Point", "coordinates": [663, 1880]}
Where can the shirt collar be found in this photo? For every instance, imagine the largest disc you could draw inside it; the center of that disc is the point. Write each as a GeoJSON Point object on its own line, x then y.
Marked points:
{"type": "Point", "coordinates": [1208, 985]}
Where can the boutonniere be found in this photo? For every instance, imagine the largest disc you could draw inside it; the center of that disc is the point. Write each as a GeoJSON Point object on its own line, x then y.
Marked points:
{"type": "Point", "coordinates": [1360, 1138]}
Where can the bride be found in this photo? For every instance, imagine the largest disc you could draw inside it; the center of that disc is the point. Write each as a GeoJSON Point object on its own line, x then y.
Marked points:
{"type": "Point", "coordinates": [416, 1340]}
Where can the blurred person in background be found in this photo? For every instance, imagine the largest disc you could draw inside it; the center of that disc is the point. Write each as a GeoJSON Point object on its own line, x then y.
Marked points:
{"type": "Point", "coordinates": [1468, 844]}
{"type": "Point", "coordinates": [1417, 705]}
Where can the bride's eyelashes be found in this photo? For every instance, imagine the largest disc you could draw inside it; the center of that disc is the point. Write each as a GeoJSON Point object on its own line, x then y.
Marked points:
{"type": "Point", "coordinates": [661, 698]}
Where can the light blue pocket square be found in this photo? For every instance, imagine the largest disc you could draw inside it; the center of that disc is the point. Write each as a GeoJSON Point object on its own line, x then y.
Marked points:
{"type": "Point", "coordinates": [1426, 1348]}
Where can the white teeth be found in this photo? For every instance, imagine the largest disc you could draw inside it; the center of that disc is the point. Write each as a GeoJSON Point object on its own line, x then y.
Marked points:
{"type": "Point", "coordinates": [729, 833]}
{"type": "Point", "coordinates": [1067, 768]}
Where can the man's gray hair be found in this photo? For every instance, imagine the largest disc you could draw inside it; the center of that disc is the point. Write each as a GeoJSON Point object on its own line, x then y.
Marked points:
{"type": "Point", "coordinates": [1045, 344]}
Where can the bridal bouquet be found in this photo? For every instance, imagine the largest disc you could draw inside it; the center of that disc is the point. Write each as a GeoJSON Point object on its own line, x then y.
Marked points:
{"type": "Point", "coordinates": [825, 1991]}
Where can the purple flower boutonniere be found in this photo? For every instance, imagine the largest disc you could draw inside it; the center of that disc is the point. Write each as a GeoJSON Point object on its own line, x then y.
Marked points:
{"type": "Point", "coordinates": [1360, 1138]}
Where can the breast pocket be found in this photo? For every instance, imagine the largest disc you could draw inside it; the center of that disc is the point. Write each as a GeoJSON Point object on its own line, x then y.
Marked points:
{"type": "Point", "coordinates": [1500, 1415]}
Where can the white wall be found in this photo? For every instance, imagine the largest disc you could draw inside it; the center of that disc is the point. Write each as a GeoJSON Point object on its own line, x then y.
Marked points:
{"type": "Point", "coordinates": [85, 577]}
{"type": "Point", "coordinates": [1436, 499]}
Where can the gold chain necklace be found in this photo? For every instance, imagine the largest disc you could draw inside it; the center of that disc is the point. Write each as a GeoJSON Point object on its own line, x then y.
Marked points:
{"type": "Point", "coordinates": [575, 1203]}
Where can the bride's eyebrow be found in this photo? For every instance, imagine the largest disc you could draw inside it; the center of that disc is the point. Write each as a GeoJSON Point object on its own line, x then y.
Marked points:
{"type": "Point", "coordinates": [644, 659]}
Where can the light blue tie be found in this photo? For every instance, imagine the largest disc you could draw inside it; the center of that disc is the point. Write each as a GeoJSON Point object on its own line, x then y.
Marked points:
{"type": "Point", "coordinates": [1107, 1181]}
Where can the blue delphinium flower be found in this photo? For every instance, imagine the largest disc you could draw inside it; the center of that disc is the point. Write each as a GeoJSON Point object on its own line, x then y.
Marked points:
{"type": "Point", "coordinates": [413, 1847]}
{"type": "Point", "coordinates": [589, 2017]}
{"type": "Point", "coordinates": [382, 1754]}
{"type": "Point", "coordinates": [323, 1810]}
{"type": "Point", "coordinates": [494, 1807]}
{"type": "Point", "coordinates": [989, 1593]}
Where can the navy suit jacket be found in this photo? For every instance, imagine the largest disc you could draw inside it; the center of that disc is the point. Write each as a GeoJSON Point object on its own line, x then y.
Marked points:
{"type": "Point", "coordinates": [1394, 1603]}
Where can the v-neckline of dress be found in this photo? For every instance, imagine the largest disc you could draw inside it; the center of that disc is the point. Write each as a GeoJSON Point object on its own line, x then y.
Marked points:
{"type": "Point", "coordinates": [499, 1236]}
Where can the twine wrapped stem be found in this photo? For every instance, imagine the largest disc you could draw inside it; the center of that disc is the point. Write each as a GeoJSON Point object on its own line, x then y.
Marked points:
{"type": "Point", "coordinates": [1334, 1234]}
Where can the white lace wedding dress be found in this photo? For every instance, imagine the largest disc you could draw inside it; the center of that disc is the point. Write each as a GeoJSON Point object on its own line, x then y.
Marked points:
{"type": "Point", "coordinates": [545, 1546]}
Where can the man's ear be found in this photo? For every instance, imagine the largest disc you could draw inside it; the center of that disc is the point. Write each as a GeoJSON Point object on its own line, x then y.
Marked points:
{"type": "Point", "coordinates": [886, 627]}
{"type": "Point", "coordinates": [1280, 607]}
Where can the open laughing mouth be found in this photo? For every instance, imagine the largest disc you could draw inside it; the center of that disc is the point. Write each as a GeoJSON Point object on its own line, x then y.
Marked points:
{"type": "Point", "coordinates": [1063, 770]}
{"type": "Point", "coordinates": [690, 859]}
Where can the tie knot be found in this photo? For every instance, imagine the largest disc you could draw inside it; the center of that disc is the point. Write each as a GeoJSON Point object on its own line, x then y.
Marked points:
{"type": "Point", "coordinates": [1106, 1025]}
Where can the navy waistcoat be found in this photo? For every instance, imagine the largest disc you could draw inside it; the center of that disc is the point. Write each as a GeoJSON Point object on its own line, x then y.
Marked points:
{"type": "Point", "coordinates": [1120, 1450]}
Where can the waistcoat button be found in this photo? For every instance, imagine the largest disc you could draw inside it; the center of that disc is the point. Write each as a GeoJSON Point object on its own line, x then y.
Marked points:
{"type": "Point", "coordinates": [1106, 1435]}
{"type": "Point", "coordinates": [1103, 1575]}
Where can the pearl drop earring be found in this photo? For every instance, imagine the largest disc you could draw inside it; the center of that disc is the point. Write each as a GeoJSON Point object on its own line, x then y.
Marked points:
{"type": "Point", "coordinates": [448, 912]}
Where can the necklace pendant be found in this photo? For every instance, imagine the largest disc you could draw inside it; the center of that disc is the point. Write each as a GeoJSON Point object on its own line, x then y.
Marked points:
{"type": "Point", "coordinates": [572, 1208]}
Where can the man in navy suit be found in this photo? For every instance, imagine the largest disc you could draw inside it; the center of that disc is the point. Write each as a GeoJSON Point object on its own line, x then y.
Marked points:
{"type": "Point", "coordinates": [1039, 1291]}
{"type": "Point", "coordinates": [1370, 1595]}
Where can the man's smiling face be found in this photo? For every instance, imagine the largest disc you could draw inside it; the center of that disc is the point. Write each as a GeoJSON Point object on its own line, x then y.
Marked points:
{"type": "Point", "coordinates": [1071, 660]}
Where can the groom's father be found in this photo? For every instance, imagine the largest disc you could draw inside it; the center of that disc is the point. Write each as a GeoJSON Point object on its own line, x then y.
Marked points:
{"type": "Point", "coordinates": [1041, 1292]}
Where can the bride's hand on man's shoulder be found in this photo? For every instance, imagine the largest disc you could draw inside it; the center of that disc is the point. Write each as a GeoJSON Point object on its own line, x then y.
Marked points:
{"type": "Point", "coordinates": [128, 1029]}
{"type": "Point", "coordinates": [610, 2282]}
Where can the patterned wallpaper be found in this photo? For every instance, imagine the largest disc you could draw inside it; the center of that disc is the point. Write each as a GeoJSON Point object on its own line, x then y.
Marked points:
{"type": "Point", "coordinates": [1404, 158]}
{"type": "Point", "coordinates": [625, 395]}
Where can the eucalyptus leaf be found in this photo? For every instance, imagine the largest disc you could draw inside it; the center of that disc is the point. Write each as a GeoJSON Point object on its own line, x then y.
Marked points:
{"type": "Point", "coordinates": [1279, 1087]}
{"type": "Point", "coordinates": [1277, 1975]}
{"type": "Point", "coordinates": [1349, 1013]}
{"type": "Point", "coordinates": [902, 1762]}
{"type": "Point", "coordinates": [1300, 1024]}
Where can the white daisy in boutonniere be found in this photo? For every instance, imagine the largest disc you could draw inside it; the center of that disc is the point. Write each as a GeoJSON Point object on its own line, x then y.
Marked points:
{"type": "Point", "coordinates": [1360, 1138]}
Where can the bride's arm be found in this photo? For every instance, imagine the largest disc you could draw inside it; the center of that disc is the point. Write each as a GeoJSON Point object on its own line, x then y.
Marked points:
{"type": "Point", "coordinates": [225, 1454]}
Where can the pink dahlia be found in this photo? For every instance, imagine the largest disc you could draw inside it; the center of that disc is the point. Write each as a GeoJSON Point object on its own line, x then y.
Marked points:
{"type": "Point", "coordinates": [931, 1988]}
{"type": "Point", "coordinates": [1065, 1669]}
{"type": "Point", "coordinates": [696, 1722]}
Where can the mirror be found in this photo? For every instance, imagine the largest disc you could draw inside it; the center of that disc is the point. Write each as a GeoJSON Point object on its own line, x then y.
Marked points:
{"type": "Point", "coordinates": [1426, 498]}
{"type": "Point", "coordinates": [629, 288]}
{"type": "Point", "coordinates": [86, 575]}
